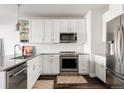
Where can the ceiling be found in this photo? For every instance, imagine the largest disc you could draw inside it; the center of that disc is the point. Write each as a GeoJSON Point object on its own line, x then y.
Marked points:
{"type": "Point", "coordinates": [49, 10]}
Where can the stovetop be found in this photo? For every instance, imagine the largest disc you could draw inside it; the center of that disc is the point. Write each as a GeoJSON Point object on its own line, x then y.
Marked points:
{"type": "Point", "coordinates": [68, 53]}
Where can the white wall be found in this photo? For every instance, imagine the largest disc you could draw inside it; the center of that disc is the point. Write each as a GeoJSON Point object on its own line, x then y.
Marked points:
{"type": "Point", "coordinates": [94, 28]}
{"type": "Point", "coordinates": [94, 43]}
{"type": "Point", "coordinates": [87, 45]}
{"type": "Point", "coordinates": [97, 46]}
{"type": "Point", "coordinates": [9, 35]}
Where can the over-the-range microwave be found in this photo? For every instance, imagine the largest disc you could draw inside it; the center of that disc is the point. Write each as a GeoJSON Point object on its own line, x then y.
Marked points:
{"type": "Point", "coordinates": [68, 37]}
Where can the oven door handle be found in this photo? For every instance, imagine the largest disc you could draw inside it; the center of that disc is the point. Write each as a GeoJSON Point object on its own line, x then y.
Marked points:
{"type": "Point", "coordinates": [17, 73]}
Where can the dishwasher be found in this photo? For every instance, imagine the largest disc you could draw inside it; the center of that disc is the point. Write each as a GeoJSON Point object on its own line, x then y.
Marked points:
{"type": "Point", "coordinates": [17, 77]}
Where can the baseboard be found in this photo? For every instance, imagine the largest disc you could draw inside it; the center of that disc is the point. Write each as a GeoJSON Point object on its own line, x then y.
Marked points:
{"type": "Point", "coordinates": [92, 74]}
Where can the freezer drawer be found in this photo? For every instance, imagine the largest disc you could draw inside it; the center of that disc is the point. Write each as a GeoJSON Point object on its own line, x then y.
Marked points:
{"type": "Point", "coordinates": [113, 81]}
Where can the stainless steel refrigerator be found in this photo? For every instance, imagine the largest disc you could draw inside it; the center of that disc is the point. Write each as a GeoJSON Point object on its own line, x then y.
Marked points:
{"type": "Point", "coordinates": [1, 52]}
{"type": "Point", "coordinates": [115, 53]}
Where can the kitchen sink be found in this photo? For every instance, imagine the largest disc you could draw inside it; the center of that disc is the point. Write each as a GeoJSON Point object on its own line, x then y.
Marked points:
{"type": "Point", "coordinates": [21, 57]}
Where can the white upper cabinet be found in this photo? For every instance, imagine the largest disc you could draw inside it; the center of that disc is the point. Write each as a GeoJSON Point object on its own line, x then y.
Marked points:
{"type": "Point", "coordinates": [56, 31]}
{"type": "Point", "coordinates": [69, 25]}
{"type": "Point", "coordinates": [81, 31]}
{"type": "Point", "coordinates": [48, 30]}
{"type": "Point", "coordinates": [63, 25]}
{"type": "Point", "coordinates": [73, 25]}
{"type": "Point", "coordinates": [37, 31]}
{"type": "Point", "coordinates": [52, 30]}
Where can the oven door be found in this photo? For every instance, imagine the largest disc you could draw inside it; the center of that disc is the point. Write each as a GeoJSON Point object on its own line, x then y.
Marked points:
{"type": "Point", "coordinates": [69, 64]}
{"type": "Point", "coordinates": [17, 77]}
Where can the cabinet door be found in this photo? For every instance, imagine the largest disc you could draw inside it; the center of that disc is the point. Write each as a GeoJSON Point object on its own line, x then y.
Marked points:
{"type": "Point", "coordinates": [41, 64]}
{"type": "Point", "coordinates": [33, 71]}
{"type": "Point", "coordinates": [46, 64]}
{"type": "Point", "coordinates": [83, 64]}
{"type": "Point", "coordinates": [37, 31]}
{"type": "Point", "coordinates": [72, 25]}
{"type": "Point", "coordinates": [102, 73]}
{"type": "Point", "coordinates": [48, 31]}
{"type": "Point", "coordinates": [69, 25]}
{"type": "Point", "coordinates": [56, 31]}
{"type": "Point", "coordinates": [30, 74]}
{"type": "Point", "coordinates": [97, 69]}
{"type": "Point", "coordinates": [55, 64]}
{"type": "Point", "coordinates": [81, 31]}
{"type": "Point", "coordinates": [100, 69]}
{"type": "Point", "coordinates": [37, 68]}
{"type": "Point", "coordinates": [63, 25]}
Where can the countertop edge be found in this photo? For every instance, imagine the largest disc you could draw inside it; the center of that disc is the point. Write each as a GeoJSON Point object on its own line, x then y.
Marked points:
{"type": "Point", "coordinates": [5, 69]}
{"type": "Point", "coordinates": [25, 60]}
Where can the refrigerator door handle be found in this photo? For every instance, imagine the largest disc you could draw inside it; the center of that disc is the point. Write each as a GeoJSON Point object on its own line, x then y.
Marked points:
{"type": "Point", "coordinates": [116, 46]}
{"type": "Point", "coordinates": [115, 77]}
{"type": "Point", "coordinates": [121, 44]}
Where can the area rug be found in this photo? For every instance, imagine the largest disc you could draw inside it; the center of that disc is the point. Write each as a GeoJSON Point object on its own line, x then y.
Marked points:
{"type": "Point", "coordinates": [71, 80]}
{"type": "Point", "coordinates": [44, 84]}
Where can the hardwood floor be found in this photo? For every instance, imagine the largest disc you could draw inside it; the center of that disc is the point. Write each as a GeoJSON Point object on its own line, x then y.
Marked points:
{"type": "Point", "coordinates": [93, 83]}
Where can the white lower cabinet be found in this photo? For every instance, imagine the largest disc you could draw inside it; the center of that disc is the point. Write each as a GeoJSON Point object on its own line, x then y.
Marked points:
{"type": "Point", "coordinates": [83, 64]}
{"type": "Point", "coordinates": [100, 68]}
{"type": "Point", "coordinates": [50, 64]}
{"type": "Point", "coordinates": [2, 80]}
{"type": "Point", "coordinates": [33, 71]}
{"type": "Point", "coordinates": [46, 66]}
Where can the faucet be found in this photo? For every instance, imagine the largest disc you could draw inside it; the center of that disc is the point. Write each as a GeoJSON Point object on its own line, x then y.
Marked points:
{"type": "Point", "coordinates": [15, 49]}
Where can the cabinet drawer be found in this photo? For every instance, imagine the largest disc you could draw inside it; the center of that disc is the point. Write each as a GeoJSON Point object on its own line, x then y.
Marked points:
{"type": "Point", "coordinates": [83, 58]}
{"type": "Point", "coordinates": [83, 63]}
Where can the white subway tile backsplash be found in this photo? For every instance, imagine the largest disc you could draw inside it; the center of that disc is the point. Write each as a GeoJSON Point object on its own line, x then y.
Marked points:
{"type": "Point", "coordinates": [58, 47]}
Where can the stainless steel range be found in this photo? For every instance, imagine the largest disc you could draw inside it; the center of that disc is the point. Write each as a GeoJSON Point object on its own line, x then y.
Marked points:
{"type": "Point", "coordinates": [68, 61]}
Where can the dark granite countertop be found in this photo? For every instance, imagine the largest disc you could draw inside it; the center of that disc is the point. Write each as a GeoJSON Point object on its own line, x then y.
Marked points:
{"type": "Point", "coordinates": [8, 63]}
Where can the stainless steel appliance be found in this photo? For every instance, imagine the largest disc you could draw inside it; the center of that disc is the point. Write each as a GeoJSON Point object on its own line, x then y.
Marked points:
{"type": "Point", "coordinates": [115, 53]}
{"type": "Point", "coordinates": [68, 61]}
{"type": "Point", "coordinates": [1, 52]}
{"type": "Point", "coordinates": [28, 51]}
{"type": "Point", "coordinates": [17, 77]}
{"type": "Point", "coordinates": [68, 37]}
